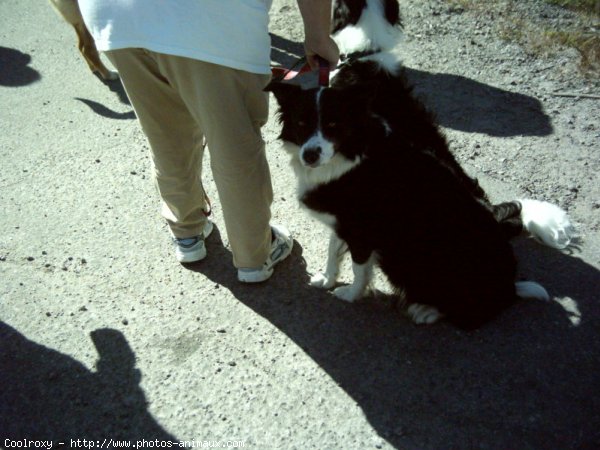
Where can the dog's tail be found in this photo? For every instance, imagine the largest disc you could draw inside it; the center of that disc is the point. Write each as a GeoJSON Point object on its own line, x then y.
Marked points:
{"type": "Point", "coordinates": [545, 221]}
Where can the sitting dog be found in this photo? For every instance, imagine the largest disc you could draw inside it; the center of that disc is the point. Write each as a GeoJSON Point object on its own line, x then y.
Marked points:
{"type": "Point", "coordinates": [69, 10]}
{"type": "Point", "coordinates": [372, 164]}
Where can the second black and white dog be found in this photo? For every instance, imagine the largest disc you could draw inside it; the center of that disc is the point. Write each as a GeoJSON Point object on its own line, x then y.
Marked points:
{"type": "Point", "coordinates": [372, 164]}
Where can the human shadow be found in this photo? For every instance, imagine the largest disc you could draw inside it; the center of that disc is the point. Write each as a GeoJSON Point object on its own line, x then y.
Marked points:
{"type": "Point", "coordinates": [14, 68]}
{"type": "Point", "coordinates": [104, 111]}
{"type": "Point", "coordinates": [47, 395]}
{"type": "Point", "coordinates": [526, 380]}
{"type": "Point", "coordinates": [116, 87]}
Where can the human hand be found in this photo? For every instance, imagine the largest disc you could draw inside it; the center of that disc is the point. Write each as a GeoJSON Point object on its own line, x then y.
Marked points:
{"type": "Point", "coordinates": [316, 15]}
{"type": "Point", "coordinates": [326, 48]}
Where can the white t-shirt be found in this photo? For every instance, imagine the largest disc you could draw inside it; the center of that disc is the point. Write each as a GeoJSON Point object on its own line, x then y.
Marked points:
{"type": "Point", "coordinates": [232, 33]}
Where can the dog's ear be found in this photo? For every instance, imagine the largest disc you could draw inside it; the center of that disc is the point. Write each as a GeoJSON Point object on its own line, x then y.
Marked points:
{"type": "Point", "coordinates": [283, 91]}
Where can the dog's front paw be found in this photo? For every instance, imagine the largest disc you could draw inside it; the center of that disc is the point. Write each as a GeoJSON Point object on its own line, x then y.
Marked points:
{"type": "Point", "coordinates": [423, 314]}
{"type": "Point", "coordinates": [347, 293]}
{"type": "Point", "coordinates": [322, 281]}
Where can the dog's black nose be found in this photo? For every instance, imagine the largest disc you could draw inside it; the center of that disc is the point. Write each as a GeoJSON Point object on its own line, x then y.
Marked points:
{"type": "Point", "coordinates": [311, 155]}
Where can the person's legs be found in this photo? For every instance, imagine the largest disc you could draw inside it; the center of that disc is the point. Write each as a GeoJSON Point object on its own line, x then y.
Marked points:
{"type": "Point", "coordinates": [231, 107]}
{"type": "Point", "coordinates": [175, 139]}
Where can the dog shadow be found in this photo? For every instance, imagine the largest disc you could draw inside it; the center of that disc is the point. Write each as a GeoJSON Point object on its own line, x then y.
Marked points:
{"type": "Point", "coordinates": [14, 68]}
{"type": "Point", "coordinates": [459, 103]}
{"type": "Point", "coordinates": [47, 395]}
{"type": "Point", "coordinates": [116, 87]}
{"type": "Point", "coordinates": [463, 104]}
{"type": "Point", "coordinates": [529, 378]}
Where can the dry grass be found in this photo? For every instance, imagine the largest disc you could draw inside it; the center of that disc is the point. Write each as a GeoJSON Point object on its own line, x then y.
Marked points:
{"type": "Point", "coordinates": [589, 6]}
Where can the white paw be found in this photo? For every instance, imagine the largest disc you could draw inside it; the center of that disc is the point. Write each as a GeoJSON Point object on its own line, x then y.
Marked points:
{"type": "Point", "coordinates": [347, 293]}
{"type": "Point", "coordinates": [547, 223]}
{"type": "Point", "coordinates": [423, 314]}
{"type": "Point", "coordinates": [322, 281]}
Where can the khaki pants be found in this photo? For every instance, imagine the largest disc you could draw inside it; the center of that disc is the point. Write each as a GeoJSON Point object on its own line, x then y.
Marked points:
{"type": "Point", "coordinates": [180, 102]}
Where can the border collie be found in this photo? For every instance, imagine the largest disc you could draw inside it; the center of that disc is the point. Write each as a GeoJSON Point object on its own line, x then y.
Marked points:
{"type": "Point", "coordinates": [366, 25]}
{"type": "Point", "coordinates": [372, 164]}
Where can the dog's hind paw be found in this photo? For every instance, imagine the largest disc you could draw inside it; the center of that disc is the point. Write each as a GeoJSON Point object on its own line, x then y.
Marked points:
{"type": "Point", "coordinates": [347, 293]}
{"type": "Point", "coordinates": [322, 281]}
{"type": "Point", "coordinates": [423, 314]}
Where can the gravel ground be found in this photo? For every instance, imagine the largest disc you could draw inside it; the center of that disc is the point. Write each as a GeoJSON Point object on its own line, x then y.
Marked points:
{"type": "Point", "coordinates": [104, 336]}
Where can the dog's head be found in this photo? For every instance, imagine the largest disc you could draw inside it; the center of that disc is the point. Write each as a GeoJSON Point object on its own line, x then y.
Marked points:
{"type": "Point", "coordinates": [327, 124]}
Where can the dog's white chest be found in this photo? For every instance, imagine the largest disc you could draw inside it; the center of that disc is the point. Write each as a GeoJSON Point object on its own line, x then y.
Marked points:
{"type": "Point", "coordinates": [306, 181]}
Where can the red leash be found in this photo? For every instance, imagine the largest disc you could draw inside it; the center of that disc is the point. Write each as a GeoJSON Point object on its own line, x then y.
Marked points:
{"type": "Point", "coordinates": [283, 74]}
{"type": "Point", "coordinates": [323, 72]}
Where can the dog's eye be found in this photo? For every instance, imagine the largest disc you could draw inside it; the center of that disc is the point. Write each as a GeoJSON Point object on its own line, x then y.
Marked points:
{"type": "Point", "coordinates": [331, 125]}
{"type": "Point", "coordinates": [301, 123]}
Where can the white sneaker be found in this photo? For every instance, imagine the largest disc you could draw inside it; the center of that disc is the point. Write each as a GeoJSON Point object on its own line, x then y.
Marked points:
{"type": "Point", "coordinates": [192, 249]}
{"type": "Point", "coordinates": [281, 247]}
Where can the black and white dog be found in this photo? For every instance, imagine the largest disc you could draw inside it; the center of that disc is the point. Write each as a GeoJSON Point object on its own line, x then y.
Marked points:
{"type": "Point", "coordinates": [361, 26]}
{"type": "Point", "coordinates": [372, 164]}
